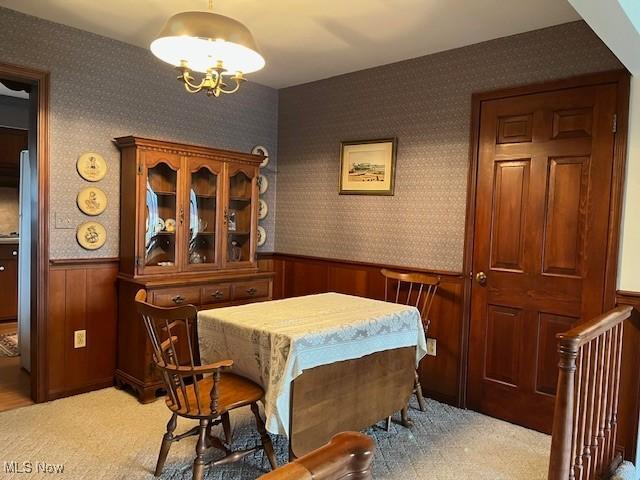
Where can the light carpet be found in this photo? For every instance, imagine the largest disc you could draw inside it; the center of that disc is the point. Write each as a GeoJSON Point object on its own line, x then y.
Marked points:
{"type": "Point", "coordinates": [9, 345]}
{"type": "Point", "coordinates": [108, 435]}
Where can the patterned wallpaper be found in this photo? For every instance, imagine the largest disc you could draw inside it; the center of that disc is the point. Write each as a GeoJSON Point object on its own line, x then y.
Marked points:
{"type": "Point", "coordinates": [426, 104]}
{"type": "Point", "coordinates": [101, 89]}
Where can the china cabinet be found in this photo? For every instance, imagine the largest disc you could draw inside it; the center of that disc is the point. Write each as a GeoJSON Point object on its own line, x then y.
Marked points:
{"type": "Point", "coordinates": [188, 223]}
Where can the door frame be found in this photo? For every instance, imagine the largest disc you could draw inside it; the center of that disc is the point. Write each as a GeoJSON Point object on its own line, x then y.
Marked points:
{"type": "Point", "coordinates": [40, 267]}
{"type": "Point", "coordinates": [619, 77]}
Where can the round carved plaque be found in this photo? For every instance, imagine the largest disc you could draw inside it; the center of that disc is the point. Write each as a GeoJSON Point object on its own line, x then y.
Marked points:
{"type": "Point", "coordinates": [92, 166]}
{"type": "Point", "coordinates": [260, 150]}
{"type": "Point", "coordinates": [91, 201]}
{"type": "Point", "coordinates": [91, 235]}
{"type": "Point", "coordinates": [262, 236]}
{"type": "Point", "coordinates": [263, 209]}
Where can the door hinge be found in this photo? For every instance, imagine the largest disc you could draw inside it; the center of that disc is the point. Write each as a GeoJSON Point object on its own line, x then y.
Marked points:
{"type": "Point", "coordinates": [614, 125]}
{"type": "Point", "coordinates": [139, 169]}
{"type": "Point", "coordinates": [137, 261]}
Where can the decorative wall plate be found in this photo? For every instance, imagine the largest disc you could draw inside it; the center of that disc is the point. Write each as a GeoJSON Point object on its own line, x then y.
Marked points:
{"type": "Point", "coordinates": [91, 235]}
{"type": "Point", "coordinates": [263, 184]}
{"type": "Point", "coordinates": [92, 166]}
{"type": "Point", "coordinates": [170, 225]}
{"type": "Point", "coordinates": [263, 209]}
{"type": "Point", "coordinates": [260, 150]}
{"type": "Point", "coordinates": [91, 201]}
{"type": "Point", "coordinates": [159, 225]}
{"type": "Point", "coordinates": [262, 236]}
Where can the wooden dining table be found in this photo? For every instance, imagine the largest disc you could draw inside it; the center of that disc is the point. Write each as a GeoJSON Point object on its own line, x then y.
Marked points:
{"type": "Point", "coordinates": [328, 363]}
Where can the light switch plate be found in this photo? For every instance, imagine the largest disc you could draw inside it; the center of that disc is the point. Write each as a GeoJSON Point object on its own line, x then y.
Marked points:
{"type": "Point", "coordinates": [63, 221]}
{"type": "Point", "coordinates": [79, 339]}
{"type": "Point", "coordinates": [431, 346]}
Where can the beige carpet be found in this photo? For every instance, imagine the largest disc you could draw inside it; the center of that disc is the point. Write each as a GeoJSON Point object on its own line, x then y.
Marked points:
{"type": "Point", "coordinates": [9, 345]}
{"type": "Point", "coordinates": [109, 435]}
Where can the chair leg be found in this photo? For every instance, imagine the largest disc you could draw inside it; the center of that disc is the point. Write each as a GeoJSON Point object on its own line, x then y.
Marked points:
{"type": "Point", "coordinates": [418, 390]}
{"type": "Point", "coordinates": [201, 447]}
{"type": "Point", "coordinates": [167, 439]}
{"type": "Point", "coordinates": [266, 440]}
{"type": "Point", "coordinates": [226, 427]}
{"type": "Point", "coordinates": [405, 421]}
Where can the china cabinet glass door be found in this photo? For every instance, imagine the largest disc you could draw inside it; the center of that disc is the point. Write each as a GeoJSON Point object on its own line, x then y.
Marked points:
{"type": "Point", "coordinates": [163, 210]}
{"type": "Point", "coordinates": [240, 216]}
{"type": "Point", "coordinates": [203, 190]}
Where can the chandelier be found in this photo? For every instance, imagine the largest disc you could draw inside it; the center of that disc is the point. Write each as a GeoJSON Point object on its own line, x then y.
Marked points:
{"type": "Point", "coordinates": [220, 47]}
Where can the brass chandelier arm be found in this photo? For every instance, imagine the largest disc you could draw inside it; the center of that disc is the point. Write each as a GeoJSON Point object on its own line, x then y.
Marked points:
{"type": "Point", "coordinates": [212, 83]}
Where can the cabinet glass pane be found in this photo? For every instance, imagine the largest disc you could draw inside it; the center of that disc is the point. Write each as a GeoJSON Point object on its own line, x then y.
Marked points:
{"type": "Point", "coordinates": [160, 233]}
{"type": "Point", "coordinates": [239, 218]}
{"type": "Point", "coordinates": [202, 217]}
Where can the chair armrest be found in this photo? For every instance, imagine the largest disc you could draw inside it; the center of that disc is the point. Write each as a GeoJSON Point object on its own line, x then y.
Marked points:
{"type": "Point", "coordinates": [198, 370]}
{"type": "Point", "coordinates": [347, 455]}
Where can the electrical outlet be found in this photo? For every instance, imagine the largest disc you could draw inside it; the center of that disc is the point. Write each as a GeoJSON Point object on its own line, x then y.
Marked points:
{"type": "Point", "coordinates": [63, 221]}
{"type": "Point", "coordinates": [431, 346]}
{"type": "Point", "coordinates": [79, 338]}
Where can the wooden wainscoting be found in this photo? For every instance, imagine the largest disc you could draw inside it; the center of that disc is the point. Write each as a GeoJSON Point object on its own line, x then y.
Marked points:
{"type": "Point", "coordinates": [82, 296]}
{"type": "Point", "coordinates": [629, 408]}
{"type": "Point", "coordinates": [440, 375]}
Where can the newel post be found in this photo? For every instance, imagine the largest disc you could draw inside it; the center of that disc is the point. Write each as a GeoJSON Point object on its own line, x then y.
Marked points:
{"type": "Point", "coordinates": [560, 458]}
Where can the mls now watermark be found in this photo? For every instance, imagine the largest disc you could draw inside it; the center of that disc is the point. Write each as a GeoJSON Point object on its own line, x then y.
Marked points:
{"type": "Point", "coordinates": [33, 467]}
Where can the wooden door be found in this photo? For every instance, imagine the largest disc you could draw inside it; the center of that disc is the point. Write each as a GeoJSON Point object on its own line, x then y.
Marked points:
{"type": "Point", "coordinates": [162, 213]}
{"type": "Point", "coordinates": [543, 191]}
{"type": "Point", "coordinates": [240, 216]}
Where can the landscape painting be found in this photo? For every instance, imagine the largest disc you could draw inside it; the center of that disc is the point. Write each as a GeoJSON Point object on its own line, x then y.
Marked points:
{"type": "Point", "coordinates": [367, 167]}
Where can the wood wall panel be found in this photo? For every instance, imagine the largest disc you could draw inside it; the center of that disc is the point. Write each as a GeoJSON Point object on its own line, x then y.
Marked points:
{"type": "Point", "coordinates": [440, 375]}
{"type": "Point", "coordinates": [629, 409]}
{"type": "Point", "coordinates": [82, 296]}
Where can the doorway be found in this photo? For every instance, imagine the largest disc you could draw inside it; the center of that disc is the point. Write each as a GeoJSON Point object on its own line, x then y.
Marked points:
{"type": "Point", "coordinates": [543, 236]}
{"type": "Point", "coordinates": [15, 386]}
{"type": "Point", "coordinates": [23, 235]}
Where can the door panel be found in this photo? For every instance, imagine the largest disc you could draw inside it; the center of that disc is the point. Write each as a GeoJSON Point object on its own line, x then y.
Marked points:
{"type": "Point", "coordinates": [542, 211]}
{"type": "Point", "coordinates": [566, 209]}
{"type": "Point", "coordinates": [511, 187]}
{"type": "Point", "coordinates": [502, 345]}
{"type": "Point", "coordinates": [549, 325]}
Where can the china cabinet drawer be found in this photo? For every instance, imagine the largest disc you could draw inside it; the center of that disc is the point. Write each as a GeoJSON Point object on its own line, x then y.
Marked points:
{"type": "Point", "coordinates": [9, 251]}
{"type": "Point", "coordinates": [254, 289]}
{"type": "Point", "coordinates": [216, 294]}
{"type": "Point", "coordinates": [176, 296]}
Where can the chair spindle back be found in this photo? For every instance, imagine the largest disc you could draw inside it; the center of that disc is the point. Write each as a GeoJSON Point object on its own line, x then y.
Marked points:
{"type": "Point", "coordinates": [168, 328]}
{"type": "Point", "coordinates": [420, 291]}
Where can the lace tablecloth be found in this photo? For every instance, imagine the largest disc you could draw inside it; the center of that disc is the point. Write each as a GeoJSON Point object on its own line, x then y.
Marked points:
{"type": "Point", "coordinates": [273, 342]}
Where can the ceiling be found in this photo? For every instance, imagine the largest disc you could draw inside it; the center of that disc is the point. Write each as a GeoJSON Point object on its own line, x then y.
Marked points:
{"type": "Point", "coordinates": [306, 40]}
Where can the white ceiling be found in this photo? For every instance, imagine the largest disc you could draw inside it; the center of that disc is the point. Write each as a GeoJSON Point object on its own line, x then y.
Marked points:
{"type": "Point", "coordinates": [306, 40]}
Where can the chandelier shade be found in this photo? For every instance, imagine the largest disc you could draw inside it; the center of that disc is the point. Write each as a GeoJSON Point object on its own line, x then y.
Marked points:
{"type": "Point", "coordinates": [202, 41]}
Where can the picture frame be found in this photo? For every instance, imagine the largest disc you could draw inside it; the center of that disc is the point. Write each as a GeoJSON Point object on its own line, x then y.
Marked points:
{"type": "Point", "coordinates": [368, 167]}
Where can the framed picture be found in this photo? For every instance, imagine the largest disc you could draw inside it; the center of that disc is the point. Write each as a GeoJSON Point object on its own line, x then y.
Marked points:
{"type": "Point", "coordinates": [368, 167]}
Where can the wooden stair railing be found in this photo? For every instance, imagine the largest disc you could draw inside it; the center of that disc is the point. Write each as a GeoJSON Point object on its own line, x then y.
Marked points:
{"type": "Point", "coordinates": [347, 456]}
{"type": "Point", "coordinates": [585, 417]}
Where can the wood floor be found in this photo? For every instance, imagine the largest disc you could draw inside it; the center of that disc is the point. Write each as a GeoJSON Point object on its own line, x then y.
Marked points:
{"type": "Point", "coordinates": [15, 383]}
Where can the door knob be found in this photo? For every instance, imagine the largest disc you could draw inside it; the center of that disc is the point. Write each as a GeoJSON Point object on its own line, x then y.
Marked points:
{"type": "Point", "coordinates": [1, 268]}
{"type": "Point", "coordinates": [481, 278]}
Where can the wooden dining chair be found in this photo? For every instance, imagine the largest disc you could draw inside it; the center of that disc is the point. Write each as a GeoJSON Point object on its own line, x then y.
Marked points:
{"type": "Point", "coordinates": [419, 290]}
{"type": "Point", "coordinates": [206, 393]}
